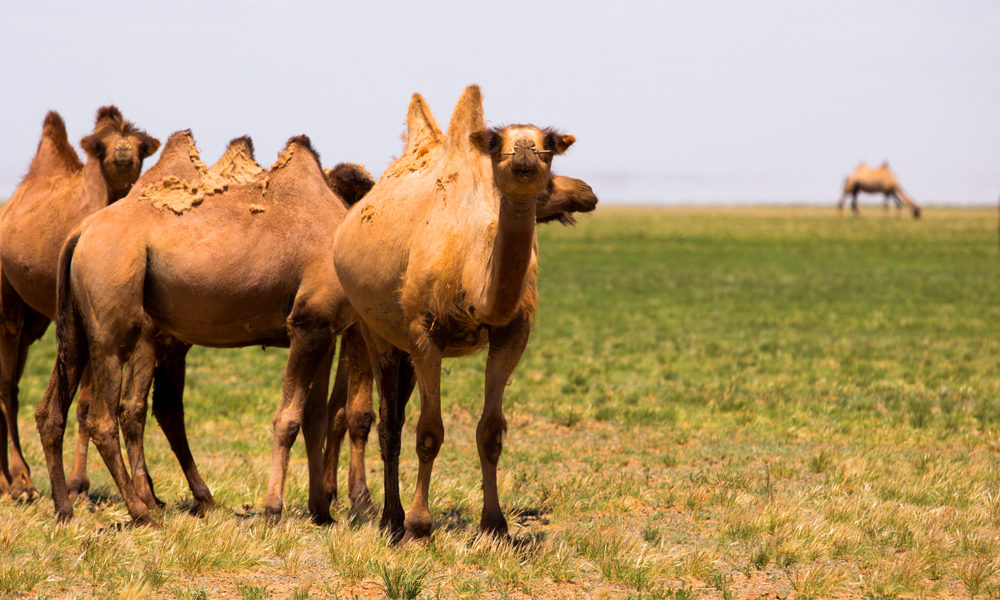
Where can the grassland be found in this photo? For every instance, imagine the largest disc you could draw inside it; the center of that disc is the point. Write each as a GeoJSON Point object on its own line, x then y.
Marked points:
{"type": "Point", "coordinates": [738, 403]}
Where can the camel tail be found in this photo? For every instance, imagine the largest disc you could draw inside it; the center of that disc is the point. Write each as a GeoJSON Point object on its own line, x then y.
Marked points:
{"type": "Point", "coordinates": [71, 339]}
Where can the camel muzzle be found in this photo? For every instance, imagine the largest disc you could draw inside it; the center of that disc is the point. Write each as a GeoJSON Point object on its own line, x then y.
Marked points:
{"type": "Point", "coordinates": [123, 153]}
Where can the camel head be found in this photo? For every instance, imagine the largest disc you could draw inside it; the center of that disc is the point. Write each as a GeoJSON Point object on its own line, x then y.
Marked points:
{"type": "Point", "coordinates": [521, 157]}
{"type": "Point", "coordinates": [563, 197]}
{"type": "Point", "coordinates": [349, 181]}
{"type": "Point", "coordinates": [119, 147]}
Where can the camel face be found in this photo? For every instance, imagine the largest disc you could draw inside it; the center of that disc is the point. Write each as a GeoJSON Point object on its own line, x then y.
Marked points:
{"type": "Point", "coordinates": [120, 148]}
{"type": "Point", "coordinates": [521, 156]}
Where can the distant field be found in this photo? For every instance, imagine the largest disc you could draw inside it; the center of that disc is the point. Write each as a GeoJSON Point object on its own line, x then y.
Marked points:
{"type": "Point", "coordinates": [715, 403]}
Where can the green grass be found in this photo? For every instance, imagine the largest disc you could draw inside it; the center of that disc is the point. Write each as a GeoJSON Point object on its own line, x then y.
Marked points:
{"type": "Point", "coordinates": [714, 403]}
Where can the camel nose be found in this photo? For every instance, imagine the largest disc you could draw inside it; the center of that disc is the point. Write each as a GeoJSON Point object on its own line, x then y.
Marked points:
{"type": "Point", "coordinates": [123, 151]}
{"type": "Point", "coordinates": [524, 159]}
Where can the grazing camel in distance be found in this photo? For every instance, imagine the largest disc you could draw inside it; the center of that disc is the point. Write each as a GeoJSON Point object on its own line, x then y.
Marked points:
{"type": "Point", "coordinates": [207, 262]}
{"type": "Point", "coordinates": [54, 197]}
{"type": "Point", "coordinates": [877, 181]}
{"type": "Point", "coordinates": [439, 260]}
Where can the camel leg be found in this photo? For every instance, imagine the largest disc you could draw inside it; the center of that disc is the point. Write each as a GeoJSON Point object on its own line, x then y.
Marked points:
{"type": "Point", "coordinates": [13, 354]}
{"type": "Point", "coordinates": [507, 343]}
{"type": "Point", "coordinates": [360, 417]}
{"type": "Point", "coordinates": [314, 429]}
{"type": "Point", "coordinates": [854, 204]}
{"type": "Point", "coordinates": [168, 408]}
{"type": "Point", "coordinates": [50, 419]}
{"type": "Point", "coordinates": [395, 384]}
{"type": "Point", "coordinates": [103, 426]}
{"type": "Point", "coordinates": [841, 202]}
{"type": "Point", "coordinates": [426, 357]}
{"type": "Point", "coordinates": [138, 379]}
{"type": "Point", "coordinates": [79, 483]}
{"type": "Point", "coordinates": [337, 426]}
{"type": "Point", "coordinates": [308, 347]}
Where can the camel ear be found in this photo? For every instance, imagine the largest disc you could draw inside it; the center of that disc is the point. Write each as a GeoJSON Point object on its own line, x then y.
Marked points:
{"type": "Point", "coordinates": [558, 142]}
{"type": "Point", "coordinates": [486, 141]}
{"type": "Point", "coordinates": [93, 146]}
{"type": "Point", "coordinates": [148, 146]}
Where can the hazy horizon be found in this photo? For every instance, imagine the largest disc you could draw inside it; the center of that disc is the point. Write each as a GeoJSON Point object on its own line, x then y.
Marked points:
{"type": "Point", "coordinates": [676, 102]}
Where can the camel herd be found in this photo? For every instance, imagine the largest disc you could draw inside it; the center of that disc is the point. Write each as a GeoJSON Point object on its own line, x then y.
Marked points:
{"type": "Point", "coordinates": [436, 259]}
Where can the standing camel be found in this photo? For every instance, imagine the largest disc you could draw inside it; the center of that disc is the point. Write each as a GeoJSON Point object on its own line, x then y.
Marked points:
{"type": "Point", "coordinates": [439, 260]}
{"type": "Point", "coordinates": [54, 197]}
{"type": "Point", "coordinates": [202, 262]}
{"type": "Point", "coordinates": [876, 181]}
{"type": "Point", "coordinates": [563, 197]}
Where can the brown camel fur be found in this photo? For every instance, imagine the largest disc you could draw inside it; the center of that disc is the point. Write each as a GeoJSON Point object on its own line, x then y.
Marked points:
{"type": "Point", "coordinates": [209, 263]}
{"type": "Point", "coordinates": [563, 197]}
{"type": "Point", "coordinates": [439, 259]}
{"type": "Point", "coordinates": [180, 159]}
{"type": "Point", "coordinates": [57, 193]}
{"type": "Point", "coordinates": [877, 181]}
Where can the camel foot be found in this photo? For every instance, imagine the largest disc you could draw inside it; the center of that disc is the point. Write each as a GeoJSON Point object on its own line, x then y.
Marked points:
{"type": "Point", "coordinates": [272, 515]}
{"type": "Point", "coordinates": [146, 521]}
{"type": "Point", "coordinates": [64, 515]}
{"type": "Point", "coordinates": [495, 526]}
{"type": "Point", "coordinates": [319, 512]}
{"type": "Point", "coordinates": [417, 526]}
{"type": "Point", "coordinates": [362, 507]}
{"type": "Point", "coordinates": [392, 523]}
{"type": "Point", "coordinates": [22, 490]}
{"type": "Point", "coordinates": [205, 506]}
{"type": "Point", "coordinates": [78, 485]}
{"type": "Point", "coordinates": [322, 519]}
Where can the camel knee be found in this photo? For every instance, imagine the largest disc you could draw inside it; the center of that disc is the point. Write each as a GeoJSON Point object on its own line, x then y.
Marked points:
{"type": "Point", "coordinates": [359, 424]}
{"type": "Point", "coordinates": [489, 435]}
{"type": "Point", "coordinates": [286, 429]}
{"type": "Point", "coordinates": [428, 444]}
{"type": "Point", "coordinates": [102, 429]}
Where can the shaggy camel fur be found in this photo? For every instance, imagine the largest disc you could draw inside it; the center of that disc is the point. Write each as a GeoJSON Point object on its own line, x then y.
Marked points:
{"type": "Point", "coordinates": [209, 263]}
{"type": "Point", "coordinates": [57, 193]}
{"type": "Point", "coordinates": [439, 259]}
{"type": "Point", "coordinates": [876, 181]}
{"type": "Point", "coordinates": [563, 197]}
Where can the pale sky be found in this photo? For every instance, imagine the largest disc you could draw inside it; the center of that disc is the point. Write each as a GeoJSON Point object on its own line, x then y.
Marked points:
{"type": "Point", "coordinates": [670, 102]}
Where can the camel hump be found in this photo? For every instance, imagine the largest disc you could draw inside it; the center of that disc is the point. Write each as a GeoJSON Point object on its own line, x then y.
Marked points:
{"type": "Point", "coordinates": [109, 113]}
{"type": "Point", "coordinates": [466, 119]}
{"type": "Point", "coordinates": [237, 164]}
{"type": "Point", "coordinates": [292, 150]}
{"type": "Point", "coordinates": [54, 139]}
{"type": "Point", "coordinates": [242, 144]}
{"type": "Point", "coordinates": [54, 127]}
{"type": "Point", "coordinates": [182, 143]}
{"type": "Point", "coordinates": [349, 181]}
{"type": "Point", "coordinates": [421, 128]}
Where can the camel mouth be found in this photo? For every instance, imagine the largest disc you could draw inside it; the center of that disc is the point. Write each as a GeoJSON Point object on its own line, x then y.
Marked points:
{"type": "Point", "coordinates": [523, 172]}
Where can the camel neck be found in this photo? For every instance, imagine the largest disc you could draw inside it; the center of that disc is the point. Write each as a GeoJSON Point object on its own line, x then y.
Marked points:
{"type": "Point", "coordinates": [510, 260]}
{"type": "Point", "coordinates": [96, 186]}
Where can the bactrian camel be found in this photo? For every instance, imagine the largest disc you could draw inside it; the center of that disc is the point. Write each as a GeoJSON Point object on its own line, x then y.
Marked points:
{"type": "Point", "coordinates": [57, 193]}
{"type": "Point", "coordinates": [201, 262]}
{"type": "Point", "coordinates": [439, 259]}
{"type": "Point", "coordinates": [877, 181]}
{"type": "Point", "coordinates": [563, 197]}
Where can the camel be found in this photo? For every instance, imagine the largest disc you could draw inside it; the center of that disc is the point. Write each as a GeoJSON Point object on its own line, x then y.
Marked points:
{"type": "Point", "coordinates": [877, 181]}
{"type": "Point", "coordinates": [200, 260]}
{"type": "Point", "coordinates": [58, 192]}
{"type": "Point", "coordinates": [439, 260]}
